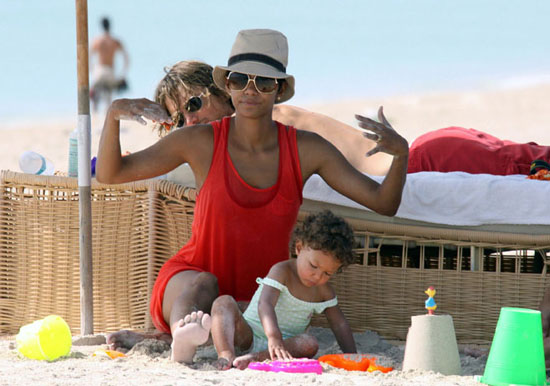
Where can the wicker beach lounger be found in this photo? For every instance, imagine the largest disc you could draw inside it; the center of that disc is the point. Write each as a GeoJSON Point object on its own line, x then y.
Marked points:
{"type": "Point", "coordinates": [39, 252]}
{"type": "Point", "coordinates": [136, 227]}
{"type": "Point", "coordinates": [475, 270]}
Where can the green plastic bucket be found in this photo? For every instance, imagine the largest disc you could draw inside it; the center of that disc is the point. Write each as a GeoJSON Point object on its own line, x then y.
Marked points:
{"type": "Point", "coordinates": [517, 352]}
{"type": "Point", "coordinates": [45, 339]}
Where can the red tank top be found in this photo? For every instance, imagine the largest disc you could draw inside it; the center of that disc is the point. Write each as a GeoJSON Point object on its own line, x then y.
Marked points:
{"type": "Point", "coordinates": [240, 231]}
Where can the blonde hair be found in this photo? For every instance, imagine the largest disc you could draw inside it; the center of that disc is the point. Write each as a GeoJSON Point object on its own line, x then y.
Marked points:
{"type": "Point", "coordinates": [189, 75]}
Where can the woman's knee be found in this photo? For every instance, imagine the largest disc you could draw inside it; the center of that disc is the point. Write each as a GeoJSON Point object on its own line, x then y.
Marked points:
{"type": "Point", "coordinates": [190, 290]}
{"type": "Point", "coordinates": [205, 281]}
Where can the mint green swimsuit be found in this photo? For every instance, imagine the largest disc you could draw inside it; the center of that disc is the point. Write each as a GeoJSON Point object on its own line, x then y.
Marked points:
{"type": "Point", "coordinates": [293, 315]}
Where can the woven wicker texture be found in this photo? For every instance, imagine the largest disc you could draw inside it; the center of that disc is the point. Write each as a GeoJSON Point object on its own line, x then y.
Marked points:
{"type": "Point", "coordinates": [387, 287]}
{"type": "Point", "coordinates": [138, 226]}
{"type": "Point", "coordinates": [39, 252]}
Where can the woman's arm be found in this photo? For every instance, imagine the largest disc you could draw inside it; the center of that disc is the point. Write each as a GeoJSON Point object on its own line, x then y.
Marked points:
{"type": "Point", "coordinates": [350, 141]}
{"type": "Point", "coordinates": [318, 156]}
{"type": "Point", "coordinates": [340, 327]}
{"type": "Point", "coordinates": [191, 144]}
{"type": "Point", "coordinates": [111, 166]}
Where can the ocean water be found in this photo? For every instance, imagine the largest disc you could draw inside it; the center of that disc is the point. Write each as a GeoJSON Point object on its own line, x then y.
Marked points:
{"type": "Point", "coordinates": [338, 49]}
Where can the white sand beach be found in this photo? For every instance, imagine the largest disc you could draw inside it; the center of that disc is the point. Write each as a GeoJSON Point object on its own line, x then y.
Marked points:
{"type": "Point", "coordinates": [148, 364]}
{"type": "Point", "coordinates": [520, 114]}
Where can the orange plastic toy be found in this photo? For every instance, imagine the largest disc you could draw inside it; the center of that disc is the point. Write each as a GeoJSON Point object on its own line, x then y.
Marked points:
{"type": "Point", "coordinates": [354, 362]}
{"type": "Point", "coordinates": [109, 353]}
{"type": "Point", "coordinates": [374, 367]}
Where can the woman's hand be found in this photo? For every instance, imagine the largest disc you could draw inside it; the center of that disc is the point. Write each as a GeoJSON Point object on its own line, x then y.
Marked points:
{"type": "Point", "coordinates": [277, 349]}
{"type": "Point", "coordinates": [386, 138]}
{"type": "Point", "coordinates": [137, 109]}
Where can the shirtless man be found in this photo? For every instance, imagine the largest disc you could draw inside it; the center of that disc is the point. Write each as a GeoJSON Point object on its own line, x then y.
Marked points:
{"type": "Point", "coordinates": [106, 48]}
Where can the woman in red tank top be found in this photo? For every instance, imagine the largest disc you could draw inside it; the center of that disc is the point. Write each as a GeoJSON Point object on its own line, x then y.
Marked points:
{"type": "Point", "coordinates": [249, 172]}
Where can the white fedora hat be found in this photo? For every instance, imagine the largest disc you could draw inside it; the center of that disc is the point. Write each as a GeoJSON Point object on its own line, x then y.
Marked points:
{"type": "Point", "coordinates": [262, 52]}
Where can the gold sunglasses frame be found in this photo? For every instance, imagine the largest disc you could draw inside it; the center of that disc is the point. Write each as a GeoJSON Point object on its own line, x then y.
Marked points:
{"type": "Point", "coordinates": [253, 80]}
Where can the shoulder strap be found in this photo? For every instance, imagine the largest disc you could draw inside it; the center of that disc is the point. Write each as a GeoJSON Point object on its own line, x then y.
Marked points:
{"type": "Point", "coordinates": [272, 283]}
{"type": "Point", "coordinates": [294, 157]}
{"type": "Point", "coordinates": [220, 129]}
{"type": "Point", "coordinates": [320, 307]}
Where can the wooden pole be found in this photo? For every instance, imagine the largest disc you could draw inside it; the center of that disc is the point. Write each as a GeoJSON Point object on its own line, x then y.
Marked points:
{"type": "Point", "coordinates": [84, 171]}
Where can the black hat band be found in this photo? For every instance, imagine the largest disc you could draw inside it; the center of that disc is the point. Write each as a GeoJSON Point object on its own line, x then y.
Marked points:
{"type": "Point", "coordinates": [257, 58]}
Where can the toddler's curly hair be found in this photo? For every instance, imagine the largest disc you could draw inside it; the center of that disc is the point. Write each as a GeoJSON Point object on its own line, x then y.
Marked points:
{"type": "Point", "coordinates": [327, 232]}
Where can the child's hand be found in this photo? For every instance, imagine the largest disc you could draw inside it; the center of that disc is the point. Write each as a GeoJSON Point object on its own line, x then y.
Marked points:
{"type": "Point", "coordinates": [277, 350]}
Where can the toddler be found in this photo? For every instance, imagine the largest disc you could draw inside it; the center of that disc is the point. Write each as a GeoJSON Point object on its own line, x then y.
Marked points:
{"type": "Point", "coordinates": [274, 323]}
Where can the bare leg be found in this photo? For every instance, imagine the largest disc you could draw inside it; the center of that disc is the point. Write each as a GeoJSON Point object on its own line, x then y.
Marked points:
{"type": "Point", "coordinates": [189, 333]}
{"type": "Point", "coordinates": [300, 346]}
{"type": "Point", "coordinates": [229, 329]}
{"type": "Point", "coordinates": [126, 339]}
{"type": "Point", "coordinates": [108, 97]}
{"type": "Point", "coordinates": [188, 292]}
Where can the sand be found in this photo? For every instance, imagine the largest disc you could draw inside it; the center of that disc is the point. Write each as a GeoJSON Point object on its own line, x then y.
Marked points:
{"type": "Point", "coordinates": [520, 114]}
{"type": "Point", "coordinates": [149, 364]}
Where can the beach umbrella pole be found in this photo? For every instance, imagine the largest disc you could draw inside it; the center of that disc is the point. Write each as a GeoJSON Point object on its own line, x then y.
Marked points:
{"type": "Point", "coordinates": [84, 171]}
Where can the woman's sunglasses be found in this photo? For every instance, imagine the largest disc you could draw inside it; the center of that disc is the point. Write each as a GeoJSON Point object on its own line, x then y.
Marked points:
{"type": "Point", "coordinates": [238, 82]}
{"type": "Point", "coordinates": [192, 105]}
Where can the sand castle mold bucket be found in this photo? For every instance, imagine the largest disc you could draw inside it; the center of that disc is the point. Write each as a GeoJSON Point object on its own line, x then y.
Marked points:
{"type": "Point", "coordinates": [45, 339]}
{"type": "Point", "coordinates": [431, 345]}
{"type": "Point", "coordinates": [517, 352]}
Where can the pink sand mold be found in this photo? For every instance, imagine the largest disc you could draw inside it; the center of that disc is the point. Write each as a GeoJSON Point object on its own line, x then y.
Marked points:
{"type": "Point", "coordinates": [294, 366]}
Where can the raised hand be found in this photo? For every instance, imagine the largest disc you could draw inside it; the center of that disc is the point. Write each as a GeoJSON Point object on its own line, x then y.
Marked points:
{"type": "Point", "coordinates": [137, 109]}
{"type": "Point", "coordinates": [386, 138]}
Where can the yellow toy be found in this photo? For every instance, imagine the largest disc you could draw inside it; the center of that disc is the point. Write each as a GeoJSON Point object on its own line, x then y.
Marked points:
{"type": "Point", "coordinates": [430, 302]}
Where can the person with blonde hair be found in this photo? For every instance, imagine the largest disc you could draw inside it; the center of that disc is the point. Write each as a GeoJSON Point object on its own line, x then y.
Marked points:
{"type": "Point", "coordinates": [188, 92]}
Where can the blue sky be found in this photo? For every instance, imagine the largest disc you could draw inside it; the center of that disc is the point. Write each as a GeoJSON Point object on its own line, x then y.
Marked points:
{"type": "Point", "coordinates": [338, 49]}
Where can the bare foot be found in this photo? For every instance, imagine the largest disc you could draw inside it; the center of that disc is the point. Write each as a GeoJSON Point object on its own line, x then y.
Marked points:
{"type": "Point", "coordinates": [222, 364]}
{"type": "Point", "coordinates": [127, 339]}
{"type": "Point", "coordinates": [123, 339]}
{"type": "Point", "coordinates": [191, 332]}
{"type": "Point", "coordinates": [242, 362]}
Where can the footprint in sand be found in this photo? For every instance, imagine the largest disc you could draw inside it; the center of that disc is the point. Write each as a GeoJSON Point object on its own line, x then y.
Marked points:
{"type": "Point", "coordinates": [191, 332]}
